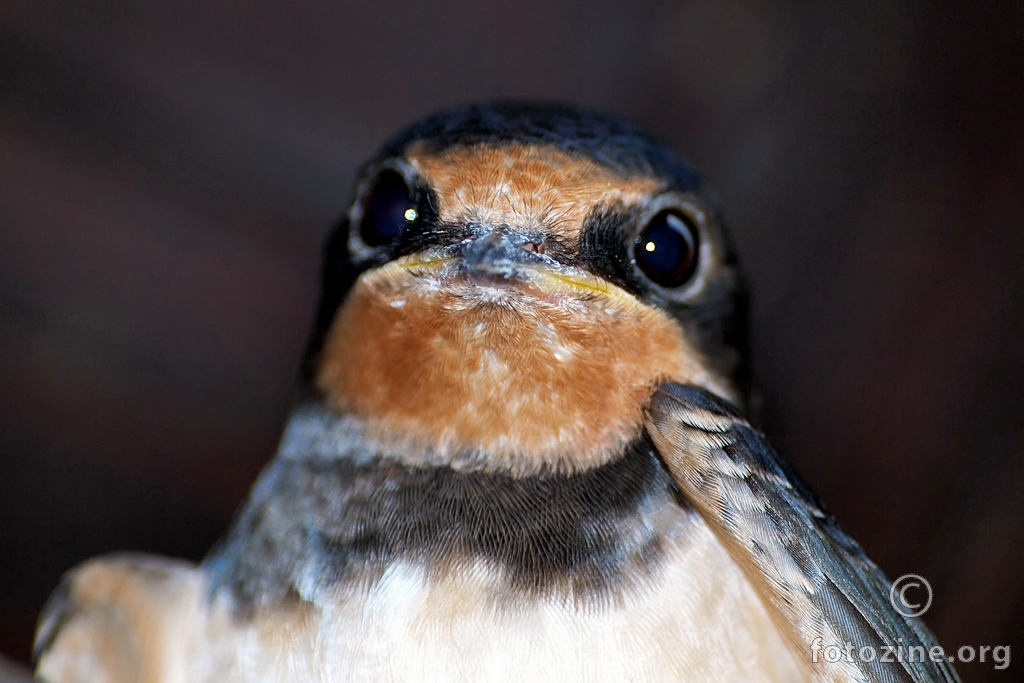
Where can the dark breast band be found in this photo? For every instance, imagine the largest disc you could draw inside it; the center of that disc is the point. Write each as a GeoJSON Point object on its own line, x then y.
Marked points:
{"type": "Point", "coordinates": [312, 522]}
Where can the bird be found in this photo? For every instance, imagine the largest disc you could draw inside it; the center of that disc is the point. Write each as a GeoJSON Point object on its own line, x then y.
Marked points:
{"type": "Point", "coordinates": [522, 449]}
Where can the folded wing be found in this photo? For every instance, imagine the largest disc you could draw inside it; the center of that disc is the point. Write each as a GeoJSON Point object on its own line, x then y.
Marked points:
{"type": "Point", "coordinates": [816, 581]}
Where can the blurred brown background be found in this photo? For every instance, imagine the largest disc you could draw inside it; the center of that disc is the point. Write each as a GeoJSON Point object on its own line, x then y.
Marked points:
{"type": "Point", "coordinates": [168, 171]}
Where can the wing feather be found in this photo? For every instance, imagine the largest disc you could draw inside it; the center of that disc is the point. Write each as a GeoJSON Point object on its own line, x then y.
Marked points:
{"type": "Point", "coordinates": [118, 619]}
{"type": "Point", "coordinates": [815, 580]}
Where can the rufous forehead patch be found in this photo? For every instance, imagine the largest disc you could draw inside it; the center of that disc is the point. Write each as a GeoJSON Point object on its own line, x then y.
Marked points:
{"type": "Point", "coordinates": [524, 186]}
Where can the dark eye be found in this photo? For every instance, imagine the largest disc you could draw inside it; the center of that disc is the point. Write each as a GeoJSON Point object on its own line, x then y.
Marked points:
{"type": "Point", "coordinates": [666, 250]}
{"type": "Point", "coordinates": [389, 207]}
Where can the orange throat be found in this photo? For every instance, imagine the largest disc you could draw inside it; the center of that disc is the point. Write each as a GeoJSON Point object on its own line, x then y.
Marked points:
{"type": "Point", "coordinates": [509, 376]}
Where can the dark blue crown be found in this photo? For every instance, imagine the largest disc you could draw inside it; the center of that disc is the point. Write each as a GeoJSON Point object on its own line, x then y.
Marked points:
{"type": "Point", "coordinates": [614, 142]}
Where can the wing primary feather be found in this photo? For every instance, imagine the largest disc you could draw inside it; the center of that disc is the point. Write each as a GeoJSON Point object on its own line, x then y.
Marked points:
{"type": "Point", "coordinates": [815, 580]}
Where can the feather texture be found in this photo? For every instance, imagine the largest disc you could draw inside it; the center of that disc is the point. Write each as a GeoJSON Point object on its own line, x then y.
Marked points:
{"type": "Point", "coordinates": [816, 581]}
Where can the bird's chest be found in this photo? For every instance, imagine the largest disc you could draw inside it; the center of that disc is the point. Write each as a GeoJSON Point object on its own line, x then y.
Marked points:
{"type": "Point", "coordinates": [692, 617]}
{"type": "Point", "coordinates": [360, 570]}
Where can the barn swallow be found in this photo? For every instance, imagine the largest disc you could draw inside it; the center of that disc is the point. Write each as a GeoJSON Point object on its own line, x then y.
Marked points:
{"type": "Point", "coordinates": [520, 453]}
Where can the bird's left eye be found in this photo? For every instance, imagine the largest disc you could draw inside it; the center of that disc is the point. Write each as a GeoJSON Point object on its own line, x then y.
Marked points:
{"type": "Point", "coordinates": [666, 249]}
{"type": "Point", "coordinates": [389, 208]}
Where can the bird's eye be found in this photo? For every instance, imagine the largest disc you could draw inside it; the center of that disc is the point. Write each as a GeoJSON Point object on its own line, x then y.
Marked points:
{"type": "Point", "coordinates": [666, 249]}
{"type": "Point", "coordinates": [389, 208]}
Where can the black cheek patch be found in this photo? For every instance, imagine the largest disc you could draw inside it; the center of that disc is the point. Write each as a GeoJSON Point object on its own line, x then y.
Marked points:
{"type": "Point", "coordinates": [425, 236]}
{"type": "Point", "coordinates": [603, 249]}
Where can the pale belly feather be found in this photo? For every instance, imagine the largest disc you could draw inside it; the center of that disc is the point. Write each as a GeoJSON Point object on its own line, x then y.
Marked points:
{"type": "Point", "coordinates": [699, 620]}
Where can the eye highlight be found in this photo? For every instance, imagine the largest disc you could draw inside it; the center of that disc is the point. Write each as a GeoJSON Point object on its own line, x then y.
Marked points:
{"type": "Point", "coordinates": [666, 249]}
{"type": "Point", "coordinates": [390, 207]}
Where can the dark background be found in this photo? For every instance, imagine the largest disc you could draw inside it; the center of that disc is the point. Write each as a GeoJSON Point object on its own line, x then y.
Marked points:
{"type": "Point", "coordinates": [168, 171]}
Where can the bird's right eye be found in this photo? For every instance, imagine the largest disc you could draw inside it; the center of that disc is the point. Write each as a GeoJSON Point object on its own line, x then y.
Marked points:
{"type": "Point", "coordinates": [389, 208]}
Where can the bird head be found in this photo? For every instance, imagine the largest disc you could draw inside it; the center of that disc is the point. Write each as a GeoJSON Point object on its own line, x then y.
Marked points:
{"type": "Point", "coordinates": [511, 281]}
